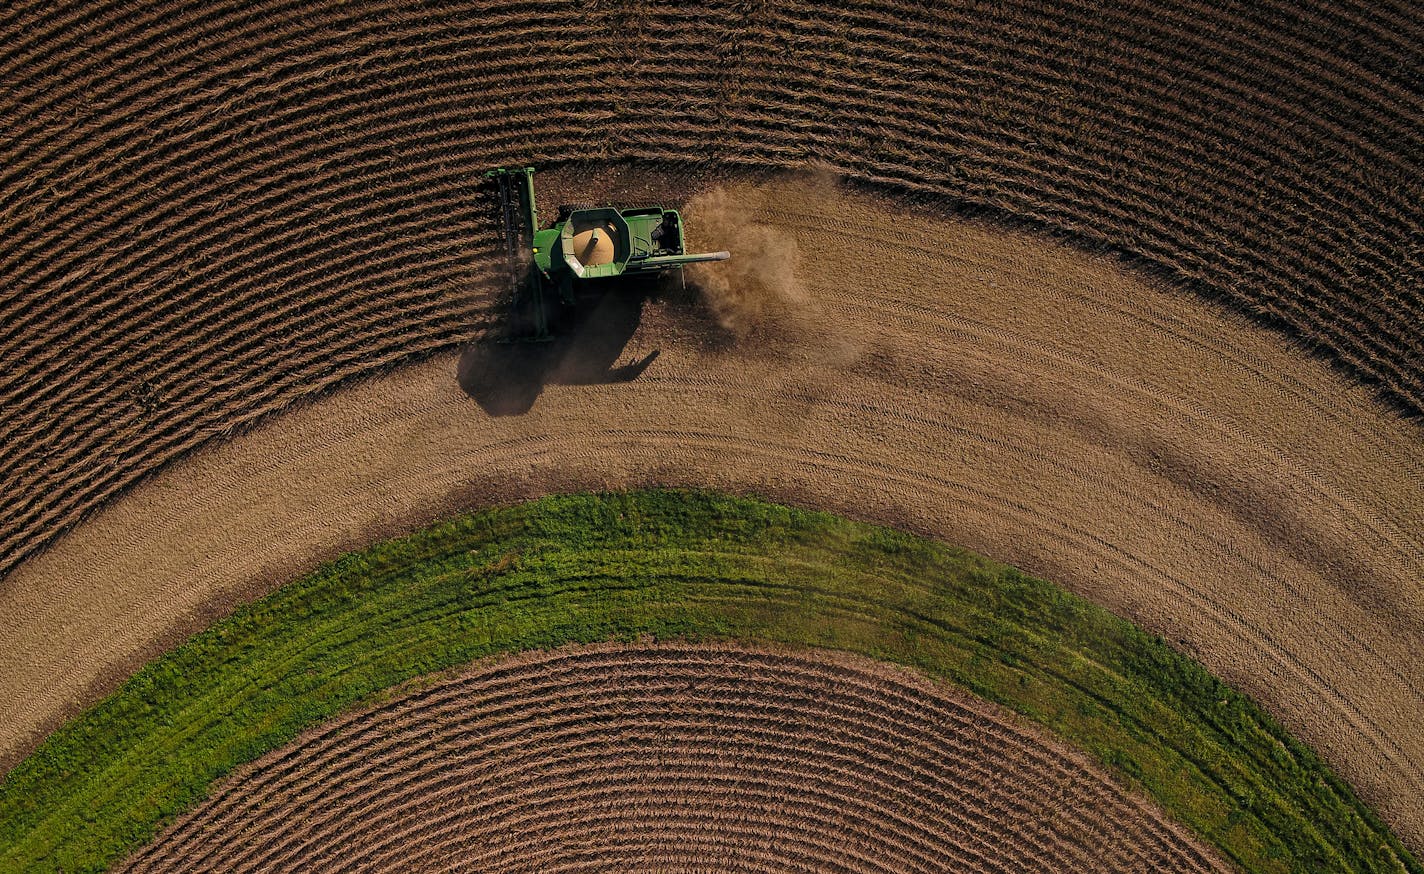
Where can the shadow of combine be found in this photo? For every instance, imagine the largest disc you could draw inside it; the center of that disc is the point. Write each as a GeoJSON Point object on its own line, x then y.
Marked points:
{"type": "Point", "coordinates": [506, 376]}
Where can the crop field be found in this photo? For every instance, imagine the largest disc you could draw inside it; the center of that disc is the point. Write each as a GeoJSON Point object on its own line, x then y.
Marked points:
{"type": "Point", "coordinates": [1035, 405]}
{"type": "Point", "coordinates": [1128, 297]}
{"type": "Point", "coordinates": [205, 223]}
{"type": "Point", "coordinates": [671, 756]}
{"type": "Point", "coordinates": [668, 565]}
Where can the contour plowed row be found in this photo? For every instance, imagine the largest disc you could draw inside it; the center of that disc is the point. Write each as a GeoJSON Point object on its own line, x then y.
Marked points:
{"type": "Point", "coordinates": [598, 757]}
{"type": "Point", "coordinates": [213, 210]}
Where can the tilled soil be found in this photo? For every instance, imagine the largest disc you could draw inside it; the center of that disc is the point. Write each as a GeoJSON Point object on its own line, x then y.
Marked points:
{"type": "Point", "coordinates": [984, 387]}
{"type": "Point", "coordinates": [675, 757]}
{"type": "Point", "coordinates": [212, 210]}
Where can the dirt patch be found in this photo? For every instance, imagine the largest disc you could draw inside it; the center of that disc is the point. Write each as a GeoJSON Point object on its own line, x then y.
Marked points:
{"type": "Point", "coordinates": [1031, 403]}
{"type": "Point", "coordinates": [677, 757]}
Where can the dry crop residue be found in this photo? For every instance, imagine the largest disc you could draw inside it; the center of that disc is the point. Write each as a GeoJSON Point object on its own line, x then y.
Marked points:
{"type": "Point", "coordinates": [665, 757]}
{"type": "Point", "coordinates": [211, 210]}
{"type": "Point", "coordinates": [1031, 403]}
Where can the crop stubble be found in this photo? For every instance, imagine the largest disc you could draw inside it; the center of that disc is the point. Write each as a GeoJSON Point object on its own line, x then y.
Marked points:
{"type": "Point", "coordinates": [1033, 404]}
{"type": "Point", "coordinates": [212, 211]}
{"type": "Point", "coordinates": [661, 756]}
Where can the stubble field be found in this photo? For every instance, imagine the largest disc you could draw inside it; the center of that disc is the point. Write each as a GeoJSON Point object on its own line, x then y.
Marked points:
{"type": "Point", "coordinates": [215, 215]}
{"type": "Point", "coordinates": [1036, 405]}
{"type": "Point", "coordinates": [214, 210]}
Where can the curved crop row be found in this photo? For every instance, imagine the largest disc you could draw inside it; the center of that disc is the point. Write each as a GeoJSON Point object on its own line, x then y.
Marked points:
{"type": "Point", "coordinates": [213, 210]}
{"type": "Point", "coordinates": [588, 757]}
{"type": "Point", "coordinates": [584, 569]}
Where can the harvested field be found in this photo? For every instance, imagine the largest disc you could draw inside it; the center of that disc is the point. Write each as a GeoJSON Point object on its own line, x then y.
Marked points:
{"type": "Point", "coordinates": [674, 757]}
{"type": "Point", "coordinates": [214, 210]}
{"type": "Point", "coordinates": [1033, 404]}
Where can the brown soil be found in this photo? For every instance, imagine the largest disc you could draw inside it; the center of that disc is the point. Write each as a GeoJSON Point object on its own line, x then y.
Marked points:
{"type": "Point", "coordinates": [672, 758]}
{"type": "Point", "coordinates": [984, 387]}
{"type": "Point", "coordinates": [211, 210]}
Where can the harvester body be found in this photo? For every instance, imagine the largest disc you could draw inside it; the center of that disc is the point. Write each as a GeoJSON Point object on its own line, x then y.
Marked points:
{"type": "Point", "coordinates": [585, 244]}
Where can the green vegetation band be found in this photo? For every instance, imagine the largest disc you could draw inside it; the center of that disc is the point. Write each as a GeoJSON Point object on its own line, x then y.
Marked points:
{"type": "Point", "coordinates": [588, 568]}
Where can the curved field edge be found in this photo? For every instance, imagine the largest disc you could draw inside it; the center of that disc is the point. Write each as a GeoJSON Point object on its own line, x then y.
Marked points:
{"type": "Point", "coordinates": [667, 563]}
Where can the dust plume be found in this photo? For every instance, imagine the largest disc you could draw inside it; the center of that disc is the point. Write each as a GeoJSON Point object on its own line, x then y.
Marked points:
{"type": "Point", "coordinates": [758, 290]}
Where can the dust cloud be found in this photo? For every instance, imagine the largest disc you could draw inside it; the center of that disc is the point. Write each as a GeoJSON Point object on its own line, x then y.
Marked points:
{"type": "Point", "coordinates": [758, 291]}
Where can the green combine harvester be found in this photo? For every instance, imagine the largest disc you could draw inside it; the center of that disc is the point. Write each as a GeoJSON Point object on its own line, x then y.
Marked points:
{"type": "Point", "coordinates": [586, 244]}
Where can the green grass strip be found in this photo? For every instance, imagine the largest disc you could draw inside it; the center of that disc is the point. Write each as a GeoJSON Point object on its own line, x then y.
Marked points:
{"type": "Point", "coordinates": [587, 568]}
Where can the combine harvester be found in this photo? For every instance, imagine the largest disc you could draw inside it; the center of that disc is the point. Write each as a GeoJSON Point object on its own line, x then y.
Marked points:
{"type": "Point", "coordinates": [601, 244]}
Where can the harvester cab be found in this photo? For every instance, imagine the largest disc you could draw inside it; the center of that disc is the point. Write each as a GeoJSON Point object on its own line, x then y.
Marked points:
{"type": "Point", "coordinates": [585, 245]}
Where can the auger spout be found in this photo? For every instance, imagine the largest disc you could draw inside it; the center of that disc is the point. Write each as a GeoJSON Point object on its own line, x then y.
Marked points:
{"type": "Point", "coordinates": [664, 262]}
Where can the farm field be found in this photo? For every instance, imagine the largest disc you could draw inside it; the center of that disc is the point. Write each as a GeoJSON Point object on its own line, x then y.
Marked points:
{"type": "Point", "coordinates": [1144, 450]}
{"type": "Point", "coordinates": [214, 210]}
{"type": "Point", "coordinates": [1127, 298]}
{"type": "Point", "coordinates": [669, 564]}
{"type": "Point", "coordinates": [753, 755]}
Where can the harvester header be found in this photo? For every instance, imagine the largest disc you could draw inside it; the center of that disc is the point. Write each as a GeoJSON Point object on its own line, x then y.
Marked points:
{"type": "Point", "coordinates": [585, 245]}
